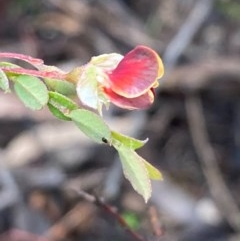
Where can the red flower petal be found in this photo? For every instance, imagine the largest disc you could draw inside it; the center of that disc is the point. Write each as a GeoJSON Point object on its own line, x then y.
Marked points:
{"type": "Point", "coordinates": [140, 102]}
{"type": "Point", "coordinates": [137, 72]}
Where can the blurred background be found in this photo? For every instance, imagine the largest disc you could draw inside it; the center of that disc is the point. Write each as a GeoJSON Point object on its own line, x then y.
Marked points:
{"type": "Point", "coordinates": [193, 126]}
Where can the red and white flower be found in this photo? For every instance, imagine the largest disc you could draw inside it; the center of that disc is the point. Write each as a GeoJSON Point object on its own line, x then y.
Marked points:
{"type": "Point", "coordinates": [126, 81]}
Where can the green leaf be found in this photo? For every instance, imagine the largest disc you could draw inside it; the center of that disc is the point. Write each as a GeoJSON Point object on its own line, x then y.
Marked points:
{"type": "Point", "coordinates": [130, 142]}
{"type": "Point", "coordinates": [4, 83]}
{"type": "Point", "coordinates": [60, 105]}
{"type": "Point", "coordinates": [153, 172]}
{"type": "Point", "coordinates": [31, 91]}
{"type": "Point", "coordinates": [57, 113]}
{"type": "Point", "coordinates": [91, 125]}
{"type": "Point", "coordinates": [131, 219]}
{"type": "Point", "coordinates": [60, 100]}
{"type": "Point", "coordinates": [62, 86]}
{"type": "Point", "coordinates": [135, 171]}
{"type": "Point", "coordinates": [118, 139]}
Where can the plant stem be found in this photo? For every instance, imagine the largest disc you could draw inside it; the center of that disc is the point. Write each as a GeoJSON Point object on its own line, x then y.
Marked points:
{"type": "Point", "coordinates": [26, 58]}
{"type": "Point", "coordinates": [42, 74]}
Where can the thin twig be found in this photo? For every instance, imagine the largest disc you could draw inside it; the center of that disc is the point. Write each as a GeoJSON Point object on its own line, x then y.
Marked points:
{"type": "Point", "coordinates": [31, 72]}
{"type": "Point", "coordinates": [207, 157]}
{"type": "Point", "coordinates": [26, 58]}
{"type": "Point", "coordinates": [110, 210]}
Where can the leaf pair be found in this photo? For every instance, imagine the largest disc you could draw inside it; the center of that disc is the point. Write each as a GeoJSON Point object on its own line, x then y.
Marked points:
{"type": "Point", "coordinates": [136, 169]}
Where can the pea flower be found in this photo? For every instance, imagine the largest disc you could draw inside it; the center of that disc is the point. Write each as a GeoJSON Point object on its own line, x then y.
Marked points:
{"type": "Point", "coordinates": [126, 81]}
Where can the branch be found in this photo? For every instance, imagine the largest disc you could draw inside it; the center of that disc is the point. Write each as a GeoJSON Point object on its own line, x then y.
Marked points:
{"type": "Point", "coordinates": [110, 210]}
{"type": "Point", "coordinates": [36, 73]}
{"type": "Point", "coordinates": [26, 58]}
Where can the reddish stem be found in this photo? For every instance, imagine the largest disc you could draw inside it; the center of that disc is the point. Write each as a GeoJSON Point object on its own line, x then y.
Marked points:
{"type": "Point", "coordinates": [26, 58]}
{"type": "Point", "coordinates": [111, 210]}
{"type": "Point", "coordinates": [42, 74]}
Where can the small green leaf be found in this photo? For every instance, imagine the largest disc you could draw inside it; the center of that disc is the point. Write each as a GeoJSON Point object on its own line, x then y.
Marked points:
{"type": "Point", "coordinates": [31, 91]}
{"type": "Point", "coordinates": [62, 86]}
{"type": "Point", "coordinates": [153, 172]}
{"type": "Point", "coordinates": [60, 105]}
{"type": "Point", "coordinates": [60, 100]}
{"type": "Point", "coordinates": [135, 171]}
{"type": "Point", "coordinates": [130, 142]}
{"type": "Point", "coordinates": [91, 125]}
{"type": "Point", "coordinates": [132, 220]}
{"type": "Point", "coordinates": [4, 83]}
{"type": "Point", "coordinates": [57, 113]}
